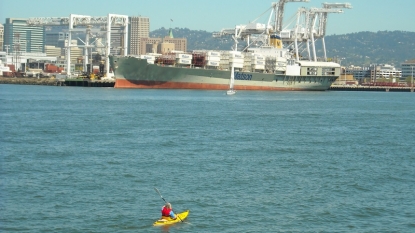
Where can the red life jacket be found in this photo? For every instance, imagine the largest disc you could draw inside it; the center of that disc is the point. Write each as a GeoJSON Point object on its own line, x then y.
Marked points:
{"type": "Point", "coordinates": [165, 212]}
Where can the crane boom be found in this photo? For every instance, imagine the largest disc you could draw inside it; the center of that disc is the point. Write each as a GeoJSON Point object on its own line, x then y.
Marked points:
{"type": "Point", "coordinates": [279, 9]}
{"type": "Point", "coordinates": [337, 5]}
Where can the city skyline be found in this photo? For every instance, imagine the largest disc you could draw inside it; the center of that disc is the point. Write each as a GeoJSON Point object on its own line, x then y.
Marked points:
{"type": "Point", "coordinates": [368, 15]}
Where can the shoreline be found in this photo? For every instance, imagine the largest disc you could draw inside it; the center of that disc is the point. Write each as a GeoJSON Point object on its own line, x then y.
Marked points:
{"type": "Point", "coordinates": [29, 81]}
{"type": "Point", "coordinates": [57, 82]}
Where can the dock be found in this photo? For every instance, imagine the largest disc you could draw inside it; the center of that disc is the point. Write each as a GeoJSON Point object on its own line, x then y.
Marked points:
{"type": "Point", "coordinates": [372, 88]}
{"type": "Point", "coordinates": [86, 82]}
{"type": "Point", "coordinates": [58, 82]}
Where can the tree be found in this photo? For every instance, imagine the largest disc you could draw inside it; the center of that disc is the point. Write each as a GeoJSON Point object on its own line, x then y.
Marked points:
{"type": "Point", "coordinates": [409, 80]}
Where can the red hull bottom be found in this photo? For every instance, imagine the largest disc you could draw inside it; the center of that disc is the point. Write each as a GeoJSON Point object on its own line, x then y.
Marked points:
{"type": "Point", "coordinates": [123, 83]}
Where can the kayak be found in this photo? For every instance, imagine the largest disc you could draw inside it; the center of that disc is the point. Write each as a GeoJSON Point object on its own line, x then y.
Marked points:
{"type": "Point", "coordinates": [180, 217]}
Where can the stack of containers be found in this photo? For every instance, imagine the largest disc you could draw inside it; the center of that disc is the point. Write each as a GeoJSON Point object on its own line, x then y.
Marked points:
{"type": "Point", "coordinates": [275, 64]}
{"type": "Point", "coordinates": [198, 59]}
{"type": "Point", "coordinates": [184, 59]}
{"type": "Point", "coordinates": [270, 63]}
{"type": "Point", "coordinates": [247, 61]}
{"type": "Point", "coordinates": [258, 62]}
{"type": "Point", "coordinates": [150, 58]}
{"type": "Point", "coordinates": [224, 60]}
{"type": "Point", "coordinates": [167, 59]}
{"type": "Point", "coordinates": [213, 58]}
{"type": "Point", "coordinates": [236, 59]}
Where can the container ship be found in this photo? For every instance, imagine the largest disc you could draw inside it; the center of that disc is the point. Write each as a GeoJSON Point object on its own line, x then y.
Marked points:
{"type": "Point", "coordinates": [271, 66]}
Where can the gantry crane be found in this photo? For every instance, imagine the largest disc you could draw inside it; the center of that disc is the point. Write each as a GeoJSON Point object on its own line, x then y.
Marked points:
{"type": "Point", "coordinates": [323, 21]}
{"type": "Point", "coordinates": [253, 28]}
{"type": "Point", "coordinates": [279, 12]}
{"type": "Point", "coordinates": [317, 13]}
{"type": "Point", "coordinates": [307, 29]}
{"type": "Point", "coordinates": [83, 20]}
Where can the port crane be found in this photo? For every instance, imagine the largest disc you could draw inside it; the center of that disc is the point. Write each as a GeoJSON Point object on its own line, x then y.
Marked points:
{"type": "Point", "coordinates": [279, 15]}
{"type": "Point", "coordinates": [74, 21]}
{"type": "Point", "coordinates": [263, 30]}
{"type": "Point", "coordinates": [310, 32]}
{"type": "Point", "coordinates": [310, 26]}
{"type": "Point", "coordinates": [323, 21]}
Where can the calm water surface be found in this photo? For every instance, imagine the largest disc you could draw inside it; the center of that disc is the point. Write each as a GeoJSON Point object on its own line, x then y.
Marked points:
{"type": "Point", "coordinates": [79, 159]}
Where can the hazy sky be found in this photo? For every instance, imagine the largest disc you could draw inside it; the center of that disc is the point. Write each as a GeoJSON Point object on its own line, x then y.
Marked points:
{"type": "Point", "coordinates": [213, 15]}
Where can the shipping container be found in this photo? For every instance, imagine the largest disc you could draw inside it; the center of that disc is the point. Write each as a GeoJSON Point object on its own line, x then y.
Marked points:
{"type": "Point", "coordinates": [184, 61]}
{"type": "Point", "coordinates": [258, 67]}
{"type": "Point", "coordinates": [236, 60]}
{"type": "Point", "coordinates": [183, 56]}
{"type": "Point", "coordinates": [148, 57]}
{"type": "Point", "coordinates": [237, 65]}
{"type": "Point", "coordinates": [213, 54]}
{"type": "Point", "coordinates": [212, 63]}
{"type": "Point", "coordinates": [210, 58]}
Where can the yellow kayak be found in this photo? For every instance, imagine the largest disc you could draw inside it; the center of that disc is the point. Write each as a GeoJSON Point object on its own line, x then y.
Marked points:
{"type": "Point", "coordinates": [180, 217]}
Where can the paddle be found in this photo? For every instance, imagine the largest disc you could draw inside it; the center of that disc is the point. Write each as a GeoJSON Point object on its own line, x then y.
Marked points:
{"type": "Point", "coordinates": [166, 201]}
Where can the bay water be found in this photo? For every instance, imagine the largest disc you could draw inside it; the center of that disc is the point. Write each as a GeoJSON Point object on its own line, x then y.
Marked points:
{"type": "Point", "coordinates": [78, 159]}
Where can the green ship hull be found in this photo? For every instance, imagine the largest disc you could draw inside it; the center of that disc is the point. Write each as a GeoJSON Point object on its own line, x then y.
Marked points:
{"type": "Point", "coordinates": [131, 72]}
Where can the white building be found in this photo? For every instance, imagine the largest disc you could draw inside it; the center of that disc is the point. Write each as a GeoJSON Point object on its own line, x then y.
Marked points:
{"type": "Point", "coordinates": [386, 71]}
{"type": "Point", "coordinates": [19, 60]}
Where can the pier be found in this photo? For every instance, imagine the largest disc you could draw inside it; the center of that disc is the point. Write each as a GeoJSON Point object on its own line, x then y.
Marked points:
{"type": "Point", "coordinates": [58, 82]}
{"type": "Point", "coordinates": [86, 83]}
{"type": "Point", "coordinates": [372, 88]}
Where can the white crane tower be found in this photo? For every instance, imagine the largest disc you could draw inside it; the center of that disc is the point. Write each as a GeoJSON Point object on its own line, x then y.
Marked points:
{"type": "Point", "coordinates": [310, 26]}
{"type": "Point", "coordinates": [279, 15]}
{"type": "Point", "coordinates": [323, 21]}
{"type": "Point", "coordinates": [307, 29]}
{"type": "Point", "coordinates": [84, 20]}
{"type": "Point", "coordinates": [253, 28]}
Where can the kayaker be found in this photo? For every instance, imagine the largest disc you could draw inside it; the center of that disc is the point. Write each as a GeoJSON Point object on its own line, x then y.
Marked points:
{"type": "Point", "coordinates": [167, 212]}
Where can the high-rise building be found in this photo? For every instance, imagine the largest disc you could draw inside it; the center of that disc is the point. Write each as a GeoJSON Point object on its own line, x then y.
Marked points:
{"type": "Point", "coordinates": [18, 36]}
{"type": "Point", "coordinates": [1, 36]}
{"type": "Point", "coordinates": [408, 69]}
{"type": "Point", "coordinates": [139, 28]}
{"type": "Point", "coordinates": [56, 35]}
{"type": "Point", "coordinates": [163, 45]}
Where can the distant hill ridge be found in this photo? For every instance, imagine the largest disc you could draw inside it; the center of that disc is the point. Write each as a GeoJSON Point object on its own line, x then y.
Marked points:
{"type": "Point", "coordinates": [361, 48]}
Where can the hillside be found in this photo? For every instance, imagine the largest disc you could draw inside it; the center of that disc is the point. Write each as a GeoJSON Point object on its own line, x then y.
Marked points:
{"type": "Point", "coordinates": [362, 48]}
{"type": "Point", "coordinates": [391, 47]}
